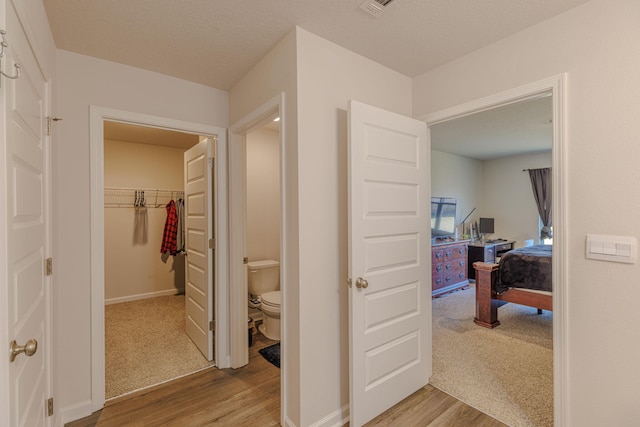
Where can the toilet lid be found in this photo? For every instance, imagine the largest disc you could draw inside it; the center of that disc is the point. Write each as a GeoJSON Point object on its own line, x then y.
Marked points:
{"type": "Point", "coordinates": [271, 298]}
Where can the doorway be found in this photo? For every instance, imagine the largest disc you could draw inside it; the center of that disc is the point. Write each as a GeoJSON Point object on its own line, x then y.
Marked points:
{"type": "Point", "coordinates": [238, 250]}
{"type": "Point", "coordinates": [552, 87]}
{"type": "Point", "coordinates": [99, 116]}
{"type": "Point", "coordinates": [144, 264]}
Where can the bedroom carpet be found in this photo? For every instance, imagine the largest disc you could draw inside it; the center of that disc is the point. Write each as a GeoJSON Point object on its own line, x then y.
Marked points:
{"type": "Point", "coordinates": [146, 344]}
{"type": "Point", "coordinates": [506, 372]}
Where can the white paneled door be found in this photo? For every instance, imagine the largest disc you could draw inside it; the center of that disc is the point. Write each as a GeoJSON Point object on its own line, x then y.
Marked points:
{"type": "Point", "coordinates": [389, 260]}
{"type": "Point", "coordinates": [26, 219]}
{"type": "Point", "coordinates": [199, 244]}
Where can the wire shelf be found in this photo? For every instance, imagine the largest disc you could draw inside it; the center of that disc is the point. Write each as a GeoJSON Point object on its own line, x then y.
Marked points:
{"type": "Point", "coordinates": [137, 197]}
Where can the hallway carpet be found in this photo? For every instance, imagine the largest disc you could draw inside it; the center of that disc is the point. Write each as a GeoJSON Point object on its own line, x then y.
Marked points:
{"type": "Point", "coordinates": [146, 344]}
{"type": "Point", "coordinates": [506, 372]}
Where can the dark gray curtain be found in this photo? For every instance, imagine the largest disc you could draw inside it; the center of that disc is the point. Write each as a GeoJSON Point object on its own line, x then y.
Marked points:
{"type": "Point", "coordinates": [541, 185]}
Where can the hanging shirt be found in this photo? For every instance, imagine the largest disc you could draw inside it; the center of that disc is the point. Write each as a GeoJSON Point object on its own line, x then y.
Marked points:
{"type": "Point", "coordinates": [170, 230]}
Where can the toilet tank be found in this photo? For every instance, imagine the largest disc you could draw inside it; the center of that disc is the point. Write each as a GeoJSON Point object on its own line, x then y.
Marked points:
{"type": "Point", "coordinates": [264, 276]}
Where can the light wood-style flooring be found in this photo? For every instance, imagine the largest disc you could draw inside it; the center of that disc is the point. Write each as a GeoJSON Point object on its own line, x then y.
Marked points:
{"type": "Point", "coordinates": [250, 396]}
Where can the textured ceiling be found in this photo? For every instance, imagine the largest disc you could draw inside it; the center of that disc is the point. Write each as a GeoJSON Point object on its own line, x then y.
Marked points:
{"type": "Point", "coordinates": [523, 127]}
{"type": "Point", "coordinates": [215, 42]}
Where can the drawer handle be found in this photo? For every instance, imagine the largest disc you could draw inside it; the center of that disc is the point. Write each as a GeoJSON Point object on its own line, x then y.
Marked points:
{"type": "Point", "coordinates": [438, 281]}
{"type": "Point", "coordinates": [460, 251]}
{"type": "Point", "coordinates": [438, 255]}
{"type": "Point", "coordinates": [448, 279]}
{"type": "Point", "coordinates": [461, 275]}
{"type": "Point", "coordinates": [461, 263]}
{"type": "Point", "coordinates": [448, 253]}
{"type": "Point", "coordinates": [448, 267]}
{"type": "Point", "coordinates": [439, 268]}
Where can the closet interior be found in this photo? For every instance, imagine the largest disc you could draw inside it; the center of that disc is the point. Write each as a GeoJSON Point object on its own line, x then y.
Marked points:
{"type": "Point", "coordinates": [144, 261]}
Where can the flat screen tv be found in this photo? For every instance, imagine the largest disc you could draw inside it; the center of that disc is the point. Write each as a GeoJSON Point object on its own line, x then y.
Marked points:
{"type": "Point", "coordinates": [443, 217]}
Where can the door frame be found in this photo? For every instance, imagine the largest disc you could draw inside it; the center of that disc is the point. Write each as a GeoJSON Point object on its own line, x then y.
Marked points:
{"type": "Point", "coordinates": [238, 307]}
{"type": "Point", "coordinates": [556, 87]}
{"type": "Point", "coordinates": [98, 115]}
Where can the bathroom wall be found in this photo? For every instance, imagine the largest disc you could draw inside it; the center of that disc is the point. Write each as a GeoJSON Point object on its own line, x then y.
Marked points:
{"type": "Point", "coordinates": [135, 270]}
{"type": "Point", "coordinates": [263, 195]}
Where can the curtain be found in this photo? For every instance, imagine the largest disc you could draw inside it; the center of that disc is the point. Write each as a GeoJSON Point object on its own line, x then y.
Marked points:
{"type": "Point", "coordinates": [541, 185]}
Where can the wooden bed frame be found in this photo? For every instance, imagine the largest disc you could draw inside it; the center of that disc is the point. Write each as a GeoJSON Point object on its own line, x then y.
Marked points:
{"type": "Point", "coordinates": [487, 301]}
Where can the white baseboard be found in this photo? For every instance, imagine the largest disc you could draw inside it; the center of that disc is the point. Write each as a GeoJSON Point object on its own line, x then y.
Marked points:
{"type": "Point", "coordinates": [337, 418]}
{"type": "Point", "coordinates": [72, 413]}
{"type": "Point", "coordinates": [143, 296]}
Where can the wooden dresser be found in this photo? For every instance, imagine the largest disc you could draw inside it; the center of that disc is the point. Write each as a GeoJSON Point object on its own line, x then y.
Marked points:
{"type": "Point", "coordinates": [449, 266]}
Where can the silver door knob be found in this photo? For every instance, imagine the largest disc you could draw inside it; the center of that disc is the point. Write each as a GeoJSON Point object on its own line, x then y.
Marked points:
{"type": "Point", "coordinates": [29, 349]}
{"type": "Point", "coordinates": [361, 283]}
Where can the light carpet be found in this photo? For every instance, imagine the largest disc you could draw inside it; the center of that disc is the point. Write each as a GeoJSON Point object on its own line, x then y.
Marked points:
{"type": "Point", "coordinates": [146, 344]}
{"type": "Point", "coordinates": [506, 372]}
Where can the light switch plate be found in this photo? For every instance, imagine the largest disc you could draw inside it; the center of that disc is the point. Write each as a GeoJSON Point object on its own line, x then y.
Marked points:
{"type": "Point", "coordinates": [612, 248]}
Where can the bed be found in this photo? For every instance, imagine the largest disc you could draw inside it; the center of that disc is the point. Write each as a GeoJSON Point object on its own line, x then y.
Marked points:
{"type": "Point", "coordinates": [522, 277]}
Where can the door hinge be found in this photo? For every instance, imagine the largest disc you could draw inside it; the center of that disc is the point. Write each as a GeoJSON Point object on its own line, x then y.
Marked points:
{"type": "Point", "coordinates": [212, 325]}
{"type": "Point", "coordinates": [49, 404]}
{"type": "Point", "coordinates": [211, 162]}
{"type": "Point", "coordinates": [48, 269]}
{"type": "Point", "coordinates": [212, 243]}
{"type": "Point", "coordinates": [245, 260]}
{"type": "Point", "coordinates": [51, 119]}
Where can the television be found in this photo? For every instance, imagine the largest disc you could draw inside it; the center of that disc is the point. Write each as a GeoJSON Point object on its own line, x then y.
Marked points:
{"type": "Point", "coordinates": [443, 217]}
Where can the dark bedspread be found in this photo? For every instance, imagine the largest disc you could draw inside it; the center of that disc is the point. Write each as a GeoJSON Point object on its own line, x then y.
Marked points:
{"type": "Point", "coordinates": [528, 267]}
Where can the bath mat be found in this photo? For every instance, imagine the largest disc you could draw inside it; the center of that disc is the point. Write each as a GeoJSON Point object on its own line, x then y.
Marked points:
{"type": "Point", "coordinates": [272, 354]}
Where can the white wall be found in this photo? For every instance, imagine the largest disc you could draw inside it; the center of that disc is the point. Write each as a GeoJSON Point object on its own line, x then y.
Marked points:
{"type": "Point", "coordinates": [508, 198]}
{"type": "Point", "coordinates": [461, 178]}
{"type": "Point", "coordinates": [329, 76]}
{"type": "Point", "coordinates": [276, 73]}
{"type": "Point", "coordinates": [263, 195]}
{"type": "Point", "coordinates": [135, 268]}
{"type": "Point", "coordinates": [84, 81]}
{"type": "Point", "coordinates": [596, 44]}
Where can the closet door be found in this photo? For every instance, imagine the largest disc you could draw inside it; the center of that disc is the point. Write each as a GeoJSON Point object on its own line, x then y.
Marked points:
{"type": "Point", "coordinates": [199, 239]}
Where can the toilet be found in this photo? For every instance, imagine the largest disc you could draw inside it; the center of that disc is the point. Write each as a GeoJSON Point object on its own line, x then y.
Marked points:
{"type": "Point", "coordinates": [264, 290]}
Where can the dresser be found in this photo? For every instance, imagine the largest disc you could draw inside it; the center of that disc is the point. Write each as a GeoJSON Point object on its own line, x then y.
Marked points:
{"type": "Point", "coordinates": [449, 266]}
{"type": "Point", "coordinates": [487, 252]}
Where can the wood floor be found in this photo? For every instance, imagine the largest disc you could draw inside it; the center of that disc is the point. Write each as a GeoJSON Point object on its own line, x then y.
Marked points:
{"type": "Point", "coordinates": [250, 396]}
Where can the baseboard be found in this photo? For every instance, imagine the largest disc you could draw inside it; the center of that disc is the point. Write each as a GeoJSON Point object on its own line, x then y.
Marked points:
{"type": "Point", "coordinates": [337, 418]}
{"type": "Point", "coordinates": [72, 413]}
{"type": "Point", "coordinates": [143, 296]}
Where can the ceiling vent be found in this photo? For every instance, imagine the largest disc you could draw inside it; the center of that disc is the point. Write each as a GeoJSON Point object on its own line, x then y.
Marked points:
{"type": "Point", "coordinates": [375, 7]}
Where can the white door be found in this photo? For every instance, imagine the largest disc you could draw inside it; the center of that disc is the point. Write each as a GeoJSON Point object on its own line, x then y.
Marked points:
{"type": "Point", "coordinates": [389, 260]}
{"type": "Point", "coordinates": [27, 218]}
{"type": "Point", "coordinates": [199, 243]}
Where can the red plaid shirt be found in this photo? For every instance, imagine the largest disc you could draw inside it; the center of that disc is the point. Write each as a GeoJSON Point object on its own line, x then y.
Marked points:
{"type": "Point", "coordinates": [169, 238]}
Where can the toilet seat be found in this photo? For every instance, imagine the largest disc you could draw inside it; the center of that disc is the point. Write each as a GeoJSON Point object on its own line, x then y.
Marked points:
{"type": "Point", "coordinates": [270, 307]}
{"type": "Point", "coordinates": [271, 300]}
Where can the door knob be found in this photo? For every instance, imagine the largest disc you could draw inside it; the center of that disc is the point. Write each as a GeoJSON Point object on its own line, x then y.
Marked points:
{"type": "Point", "coordinates": [361, 283]}
{"type": "Point", "coordinates": [29, 349]}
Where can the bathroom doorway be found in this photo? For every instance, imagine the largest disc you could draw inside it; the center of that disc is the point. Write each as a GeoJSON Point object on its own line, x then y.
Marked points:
{"type": "Point", "coordinates": [257, 201]}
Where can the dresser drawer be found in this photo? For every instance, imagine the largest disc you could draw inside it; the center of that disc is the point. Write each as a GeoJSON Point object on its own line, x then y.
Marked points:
{"type": "Point", "coordinates": [455, 252]}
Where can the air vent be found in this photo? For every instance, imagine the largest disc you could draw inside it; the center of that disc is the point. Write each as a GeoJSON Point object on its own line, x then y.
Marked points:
{"type": "Point", "coordinates": [375, 7]}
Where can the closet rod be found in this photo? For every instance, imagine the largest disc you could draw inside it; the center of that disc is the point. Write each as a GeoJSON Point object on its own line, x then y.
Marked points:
{"type": "Point", "coordinates": [133, 197]}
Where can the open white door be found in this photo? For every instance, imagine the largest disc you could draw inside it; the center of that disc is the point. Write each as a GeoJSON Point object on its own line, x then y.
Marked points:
{"type": "Point", "coordinates": [199, 244]}
{"type": "Point", "coordinates": [25, 222]}
{"type": "Point", "coordinates": [389, 261]}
